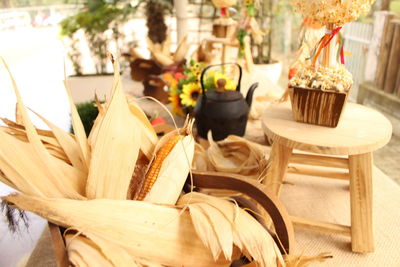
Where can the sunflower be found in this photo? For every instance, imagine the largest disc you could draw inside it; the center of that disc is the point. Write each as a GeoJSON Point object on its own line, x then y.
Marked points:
{"type": "Point", "coordinates": [190, 93]}
{"type": "Point", "coordinates": [176, 102]}
{"type": "Point", "coordinates": [248, 2]}
{"type": "Point", "coordinates": [230, 85]}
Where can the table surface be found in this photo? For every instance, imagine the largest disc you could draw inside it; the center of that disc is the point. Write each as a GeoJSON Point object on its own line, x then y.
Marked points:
{"type": "Point", "coordinates": [360, 130]}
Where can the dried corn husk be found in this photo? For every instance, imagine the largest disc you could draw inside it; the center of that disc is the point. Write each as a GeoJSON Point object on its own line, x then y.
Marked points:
{"type": "Point", "coordinates": [95, 129]}
{"type": "Point", "coordinates": [122, 232]}
{"type": "Point", "coordinates": [77, 125]}
{"type": "Point", "coordinates": [156, 48]}
{"type": "Point", "coordinates": [68, 144]}
{"type": "Point", "coordinates": [50, 143]}
{"type": "Point", "coordinates": [83, 252]}
{"type": "Point", "coordinates": [149, 137]}
{"type": "Point", "coordinates": [200, 160]}
{"type": "Point", "coordinates": [166, 45]}
{"type": "Point", "coordinates": [24, 170]}
{"type": "Point", "coordinates": [158, 233]}
{"type": "Point", "coordinates": [174, 169]}
{"type": "Point", "coordinates": [21, 135]}
{"type": "Point", "coordinates": [118, 139]}
{"type": "Point", "coordinates": [247, 234]}
{"type": "Point", "coordinates": [162, 59]}
{"type": "Point", "coordinates": [111, 254]}
{"type": "Point", "coordinates": [162, 234]}
{"type": "Point", "coordinates": [38, 164]}
{"type": "Point", "coordinates": [233, 155]}
{"type": "Point", "coordinates": [18, 126]}
{"type": "Point", "coordinates": [182, 49]}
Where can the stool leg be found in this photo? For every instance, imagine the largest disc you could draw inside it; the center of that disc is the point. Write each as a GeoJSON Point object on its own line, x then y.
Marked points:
{"type": "Point", "coordinates": [276, 169]}
{"type": "Point", "coordinates": [360, 167]}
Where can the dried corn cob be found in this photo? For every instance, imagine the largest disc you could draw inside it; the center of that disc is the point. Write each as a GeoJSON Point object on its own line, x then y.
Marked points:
{"type": "Point", "coordinates": [155, 167]}
{"type": "Point", "coordinates": [170, 167]}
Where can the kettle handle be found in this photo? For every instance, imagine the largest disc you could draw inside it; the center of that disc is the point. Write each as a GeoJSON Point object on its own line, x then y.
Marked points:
{"type": "Point", "coordinates": [215, 65]}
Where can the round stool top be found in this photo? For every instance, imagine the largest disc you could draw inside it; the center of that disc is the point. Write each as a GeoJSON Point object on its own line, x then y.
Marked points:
{"type": "Point", "coordinates": [360, 130]}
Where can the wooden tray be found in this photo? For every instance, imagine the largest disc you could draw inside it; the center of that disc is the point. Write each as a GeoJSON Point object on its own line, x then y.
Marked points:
{"type": "Point", "coordinates": [314, 106]}
{"type": "Point", "coordinates": [256, 193]}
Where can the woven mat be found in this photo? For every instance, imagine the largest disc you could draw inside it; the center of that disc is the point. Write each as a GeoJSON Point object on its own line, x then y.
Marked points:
{"type": "Point", "coordinates": [329, 200]}
{"type": "Point", "coordinates": [321, 199]}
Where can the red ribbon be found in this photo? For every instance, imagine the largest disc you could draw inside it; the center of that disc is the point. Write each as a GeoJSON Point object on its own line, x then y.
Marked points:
{"type": "Point", "coordinates": [223, 11]}
{"type": "Point", "coordinates": [332, 34]}
{"type": "Point", "coordinates": [325, 40]}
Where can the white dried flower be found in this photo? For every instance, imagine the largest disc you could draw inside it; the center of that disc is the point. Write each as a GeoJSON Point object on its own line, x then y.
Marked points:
{"type": "Point", "coordinates": [332, 78]}
{"type": "Point", "coordinates": [337, 12]}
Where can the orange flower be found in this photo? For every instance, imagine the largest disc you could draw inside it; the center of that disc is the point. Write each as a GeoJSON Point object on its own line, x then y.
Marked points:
{"type": "Point", "coordinates": [170, 80]}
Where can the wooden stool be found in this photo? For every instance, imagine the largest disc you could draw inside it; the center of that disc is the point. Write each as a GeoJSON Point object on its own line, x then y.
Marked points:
{"type": "Point", "coordinates": [360, 132]}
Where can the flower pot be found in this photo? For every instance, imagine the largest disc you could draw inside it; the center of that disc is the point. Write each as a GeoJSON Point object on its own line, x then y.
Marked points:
{"type": "Point", "coordinates": [84, 88]}
{"type": "Point", "coordinates": [142, 68]}
{"type": "Point", "coordinates": [271, 71]}
{"type": "Point", "coordinates": [154, 87]}
{"type": "Point", "coordinates": [315, 106]}
{"type": "Point", "coordinates": [223, 31]}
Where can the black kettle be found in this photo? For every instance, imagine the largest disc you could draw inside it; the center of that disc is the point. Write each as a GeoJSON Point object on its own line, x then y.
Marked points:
{"type": "Point", "coordinates": [224, 112]}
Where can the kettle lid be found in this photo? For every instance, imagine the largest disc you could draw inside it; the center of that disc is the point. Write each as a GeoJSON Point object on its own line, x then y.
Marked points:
{"type": "Point", "coordinates": [227, 96]}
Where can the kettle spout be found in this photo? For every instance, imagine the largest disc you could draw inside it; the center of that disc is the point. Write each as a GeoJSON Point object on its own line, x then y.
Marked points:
{"type": "Point", "coordinates": [249, 96]}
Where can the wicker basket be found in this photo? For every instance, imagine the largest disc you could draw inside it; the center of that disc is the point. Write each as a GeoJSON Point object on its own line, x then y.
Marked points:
{"type": "Point", "coordinates": [317, 107]}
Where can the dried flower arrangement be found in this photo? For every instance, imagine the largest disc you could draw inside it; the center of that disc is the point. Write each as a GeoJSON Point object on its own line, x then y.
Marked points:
{"type": "Point", "coordinates": [320, 84]}
{"type": "Point", "coordinates": [184, 87]}
{"type": "Point", "coordinates": [332, 14]}
{"type": "Point", "coordinates": [337, 12]}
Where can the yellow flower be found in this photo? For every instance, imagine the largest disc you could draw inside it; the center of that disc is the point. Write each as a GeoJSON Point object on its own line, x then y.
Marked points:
{"type": "Point", "coordinates": [176, 103]}
{"type": "Point", "coordinates": [230, 85]}
{"type": "Point", "coordinates": [248, 2]}
{"type": "Point", "coordinates": [190, 93]}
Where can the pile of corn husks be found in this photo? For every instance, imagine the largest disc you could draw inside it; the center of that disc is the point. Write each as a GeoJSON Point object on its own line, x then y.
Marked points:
{"type": "Point", "coordinates": [232, 155]}
{"type": "Point", "coordinates": [93, 186]}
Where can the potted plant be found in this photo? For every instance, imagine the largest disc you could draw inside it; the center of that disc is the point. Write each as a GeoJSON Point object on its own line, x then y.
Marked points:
{"type": "Point", "coordinates": [92, 24]}
{"type": "Point", "coordinates": [257, 22]}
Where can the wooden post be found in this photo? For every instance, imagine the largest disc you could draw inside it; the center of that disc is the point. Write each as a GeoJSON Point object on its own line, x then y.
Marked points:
{"type": "Point", "coordinates": [360, 167]}
{"type": "Point", "coordinates": [384, 52]}
{"type": "Point", "coordinates": [394, 59]}
{"type": "Point", "coordinates": [181, 19]}
{"type": "Point", "coordinates": [374, 48]}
